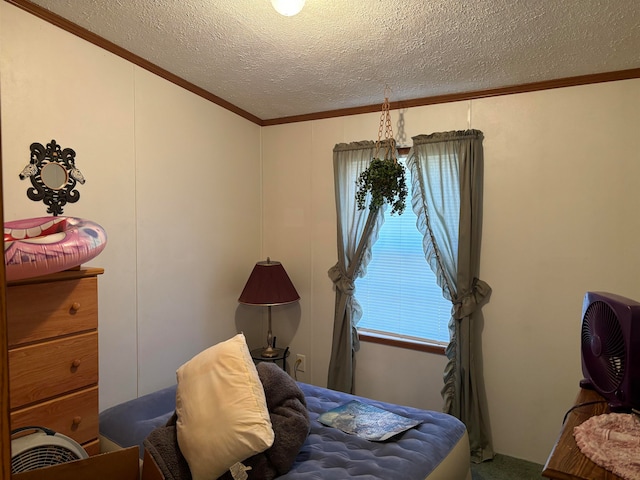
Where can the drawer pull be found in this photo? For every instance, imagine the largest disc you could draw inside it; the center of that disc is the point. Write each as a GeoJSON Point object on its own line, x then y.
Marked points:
{"type": "Point", "coordinates": [75, 306]}
{"type": "Point", "coordinates": [76, 420]}
{"type": "Point", "coordinates": [75, 363]}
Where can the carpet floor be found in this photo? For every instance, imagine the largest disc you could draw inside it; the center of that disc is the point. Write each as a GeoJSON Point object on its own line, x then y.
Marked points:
{"type": "Point", "coordinates": [503, 467]}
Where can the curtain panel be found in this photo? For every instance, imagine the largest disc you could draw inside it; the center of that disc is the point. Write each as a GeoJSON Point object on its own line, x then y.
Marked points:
{"type": "Point", "coordinates": [447, 177]}
{"type": "Point", "coordinates": [357, 232]}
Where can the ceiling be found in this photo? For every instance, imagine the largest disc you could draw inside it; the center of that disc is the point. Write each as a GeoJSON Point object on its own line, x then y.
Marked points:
{"type": "Point", "coordinates": [340, 54]}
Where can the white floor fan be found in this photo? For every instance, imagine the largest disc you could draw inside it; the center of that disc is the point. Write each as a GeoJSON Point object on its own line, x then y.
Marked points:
{"type": "Point", "coordinates": [42, 448]}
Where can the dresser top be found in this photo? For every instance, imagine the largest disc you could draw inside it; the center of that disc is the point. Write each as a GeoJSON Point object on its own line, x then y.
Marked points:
{"type": "Point", "coordinates": [71, 274]}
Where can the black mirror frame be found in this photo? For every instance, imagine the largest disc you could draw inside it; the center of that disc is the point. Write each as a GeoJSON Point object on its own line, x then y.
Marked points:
{"type": "Point", "coordinates": [54, 198]}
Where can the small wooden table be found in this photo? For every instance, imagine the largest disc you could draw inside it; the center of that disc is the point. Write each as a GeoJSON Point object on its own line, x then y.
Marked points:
{"type": "Point", "coordinates": [566, 461]}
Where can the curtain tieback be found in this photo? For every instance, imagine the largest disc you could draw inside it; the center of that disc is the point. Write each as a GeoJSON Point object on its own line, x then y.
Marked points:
{"type": "Point", "coordinates": [341, 280]}
{"type": "Point", "coordinates": [471, 300]}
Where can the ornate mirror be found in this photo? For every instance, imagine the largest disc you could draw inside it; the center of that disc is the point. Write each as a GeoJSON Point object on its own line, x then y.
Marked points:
{"type": "Point", "coordinates": [53, 174]}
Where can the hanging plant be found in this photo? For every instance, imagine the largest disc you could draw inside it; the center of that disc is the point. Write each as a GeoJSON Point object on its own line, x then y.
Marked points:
{"type": "Point", "coordinates": [384, 178]}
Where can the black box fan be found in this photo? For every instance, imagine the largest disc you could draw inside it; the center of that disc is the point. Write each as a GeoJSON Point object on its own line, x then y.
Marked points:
{"type": "Point", "coordinates": [611, 349]}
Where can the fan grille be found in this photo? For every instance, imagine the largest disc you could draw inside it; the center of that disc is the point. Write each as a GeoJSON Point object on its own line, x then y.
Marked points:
{"type": "Point", "coordinates": [603, 347]}
{"type": "Point", "coordinates": [41, 456]}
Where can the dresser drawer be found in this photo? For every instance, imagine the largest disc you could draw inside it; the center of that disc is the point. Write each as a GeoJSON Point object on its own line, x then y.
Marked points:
{"type": "Point", "coordinates": [44, 370]}
{"type": "Point", "coordinates": [45, 310]}
{"type": "Point", "coordinates": [74, 415]}
{"type": "Point", "coordinates": [93, 447]}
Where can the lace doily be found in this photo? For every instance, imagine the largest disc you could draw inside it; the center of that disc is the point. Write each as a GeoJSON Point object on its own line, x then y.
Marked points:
{"type": "Point", "coordinates": [612, 441]}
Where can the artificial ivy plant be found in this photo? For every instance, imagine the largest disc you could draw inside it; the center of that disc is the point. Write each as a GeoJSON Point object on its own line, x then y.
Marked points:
{"type": "Point", "coordinates": [384, 177]}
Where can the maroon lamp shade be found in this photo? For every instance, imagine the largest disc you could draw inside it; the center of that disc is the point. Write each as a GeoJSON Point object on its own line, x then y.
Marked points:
{"type": "Point", "coordinates": [268, 286]}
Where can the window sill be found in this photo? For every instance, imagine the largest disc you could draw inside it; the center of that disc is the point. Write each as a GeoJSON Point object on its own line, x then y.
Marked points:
{"type": "Point", "coordinates": [401, 343]}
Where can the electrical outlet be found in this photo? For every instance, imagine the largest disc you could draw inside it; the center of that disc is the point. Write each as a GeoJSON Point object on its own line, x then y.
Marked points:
{"type": "Point", "coordinates": [301, 362]}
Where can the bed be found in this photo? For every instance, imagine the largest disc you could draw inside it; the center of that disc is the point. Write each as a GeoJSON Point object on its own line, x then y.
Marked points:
{"type": "Point", "coordinates": [227, 415]}
{"type": "Point", "coordinates": [437, 449]}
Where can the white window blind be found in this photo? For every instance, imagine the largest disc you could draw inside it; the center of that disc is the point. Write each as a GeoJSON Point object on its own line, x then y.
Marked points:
{"type": "Point", "coordinates": [399, 294]}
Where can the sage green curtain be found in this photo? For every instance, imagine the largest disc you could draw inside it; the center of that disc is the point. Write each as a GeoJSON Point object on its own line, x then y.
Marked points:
{"type": "Point", "coordinates": [357, 231]}
{"type": "Point", "coordinates": [447, 177]}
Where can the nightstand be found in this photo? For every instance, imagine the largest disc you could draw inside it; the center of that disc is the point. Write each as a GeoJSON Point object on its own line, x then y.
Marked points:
{"type": "Point", "coordinates": [566, 461]}
{"type": "Point", "coordinates": [281, 356]}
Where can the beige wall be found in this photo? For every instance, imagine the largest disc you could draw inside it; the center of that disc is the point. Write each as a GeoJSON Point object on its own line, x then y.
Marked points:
{"type": "Point", "coordinates": [560, 218]}
{"type": "Point", "coordinates": [192, 195]}
{"type": "Point", "coordinates": [173, 179]}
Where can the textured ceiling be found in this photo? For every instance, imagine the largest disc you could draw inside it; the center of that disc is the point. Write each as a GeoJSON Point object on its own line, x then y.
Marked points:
{"type": "Point", "coordinates": [339, 54]}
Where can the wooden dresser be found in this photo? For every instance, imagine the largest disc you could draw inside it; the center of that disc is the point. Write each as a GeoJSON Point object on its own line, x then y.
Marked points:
{"type": "Point", "coordinates": [52, 330]}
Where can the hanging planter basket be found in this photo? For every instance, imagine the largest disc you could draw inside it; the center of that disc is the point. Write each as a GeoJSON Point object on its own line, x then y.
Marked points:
{"type": "Point", "coordinates": [384, 178]}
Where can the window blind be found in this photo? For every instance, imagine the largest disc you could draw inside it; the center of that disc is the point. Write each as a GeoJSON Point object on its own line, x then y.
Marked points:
{"type": "Point", "coordinates": [399, 294]}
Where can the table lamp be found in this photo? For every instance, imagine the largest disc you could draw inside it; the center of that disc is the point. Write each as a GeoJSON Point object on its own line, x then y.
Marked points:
{"type": "Point", "coordinates": [268, 286]}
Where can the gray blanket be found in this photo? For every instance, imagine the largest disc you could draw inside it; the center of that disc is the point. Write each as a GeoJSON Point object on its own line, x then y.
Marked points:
{"type": "Point", "coordinates": [289, 418]}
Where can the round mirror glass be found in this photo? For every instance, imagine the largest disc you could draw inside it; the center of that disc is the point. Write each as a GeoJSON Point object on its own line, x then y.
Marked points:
{"type": "Point", "coordinates": [54, 175]}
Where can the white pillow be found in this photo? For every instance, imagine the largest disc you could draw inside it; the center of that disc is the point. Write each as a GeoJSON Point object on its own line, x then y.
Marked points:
{"type": "Point", "coordinates": [222, 409]}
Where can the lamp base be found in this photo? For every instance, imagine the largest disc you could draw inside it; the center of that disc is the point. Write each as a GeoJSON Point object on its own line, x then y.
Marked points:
{"type": "Point", "coordinates": [269, 352]}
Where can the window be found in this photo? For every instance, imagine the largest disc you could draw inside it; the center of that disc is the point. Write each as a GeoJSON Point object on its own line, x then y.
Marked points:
{"type": "Point", "coordinates": [399, 295]}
